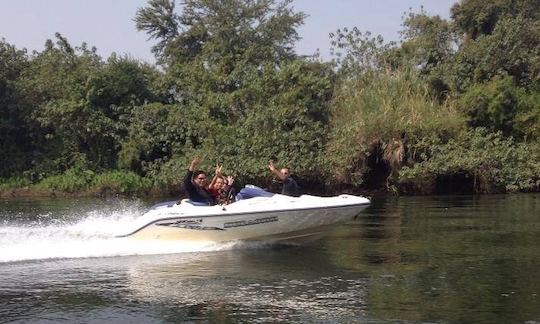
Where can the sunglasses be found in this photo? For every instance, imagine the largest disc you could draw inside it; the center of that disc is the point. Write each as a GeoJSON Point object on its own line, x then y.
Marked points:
{"type": "Point", "coordinates": [201, 178]}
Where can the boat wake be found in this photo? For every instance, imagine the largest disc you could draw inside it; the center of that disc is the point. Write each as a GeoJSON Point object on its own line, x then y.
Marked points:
{"type": "Point", "coordinates": [87, 234]}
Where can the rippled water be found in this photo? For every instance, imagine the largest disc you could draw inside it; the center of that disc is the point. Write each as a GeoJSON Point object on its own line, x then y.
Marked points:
{"type": "Point", "coordinates": [463, 259]}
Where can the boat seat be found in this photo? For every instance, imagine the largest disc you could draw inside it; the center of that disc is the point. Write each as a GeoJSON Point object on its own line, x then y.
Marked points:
{"type": "Point", "coordinates": [193, 203]}
{"type": "Point", "coordinates": [164, 204]}
{"type": "Point", "coordinates": [251, 191]}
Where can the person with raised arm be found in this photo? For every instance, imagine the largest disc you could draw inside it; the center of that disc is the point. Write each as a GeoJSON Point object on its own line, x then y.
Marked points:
{"type": "Point", "coordinates": [290, 187]}
{"type": "Point", "coordinates": [195, 182]}
{"type": "Point", "coordinates": [221, 188]}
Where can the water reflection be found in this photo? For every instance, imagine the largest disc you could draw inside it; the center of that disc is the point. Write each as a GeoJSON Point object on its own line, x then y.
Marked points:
{"type": "Point", "coordinates": [252, 285]}
{"type": "Point", "coordinates": [464, 259]}
{"type": "Point", "coordinates": [241, 284]}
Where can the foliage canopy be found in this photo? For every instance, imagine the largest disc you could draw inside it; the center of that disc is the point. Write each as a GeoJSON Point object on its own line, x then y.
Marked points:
{"type": "Point", "coordinates": [455, 100]}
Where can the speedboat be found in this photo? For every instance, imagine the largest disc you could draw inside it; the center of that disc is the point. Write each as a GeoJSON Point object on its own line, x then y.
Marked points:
{"type": "Point", "coordinates": [262, 216]}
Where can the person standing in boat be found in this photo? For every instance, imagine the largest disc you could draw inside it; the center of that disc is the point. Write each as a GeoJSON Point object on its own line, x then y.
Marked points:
{"type": "Point", "coordinates": [195, 183]}
{"type": "Point", "coordinates": [290, 187]}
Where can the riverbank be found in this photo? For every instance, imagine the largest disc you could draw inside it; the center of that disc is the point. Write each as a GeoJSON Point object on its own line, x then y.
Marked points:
{"type": "Point", "coordinates": [76, 184]}
{"type": "Point", "coordinates": [458, 184]}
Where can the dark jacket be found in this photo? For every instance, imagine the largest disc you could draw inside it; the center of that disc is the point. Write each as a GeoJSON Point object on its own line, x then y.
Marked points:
{"type": "Point", "coordinates": [290, 187]}
{"type": "Point", "coordinates": [196, 193]}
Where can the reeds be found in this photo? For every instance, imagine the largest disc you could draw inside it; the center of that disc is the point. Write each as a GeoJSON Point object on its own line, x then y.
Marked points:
{"type": "Point", "coordinates": [377, 115]}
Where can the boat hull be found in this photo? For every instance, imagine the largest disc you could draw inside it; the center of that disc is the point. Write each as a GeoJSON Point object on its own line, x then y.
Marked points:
{"type": "Point", "coordinates": [220, 224]}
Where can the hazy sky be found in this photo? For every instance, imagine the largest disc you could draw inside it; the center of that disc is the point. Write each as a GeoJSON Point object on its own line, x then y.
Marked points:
{"type": "Point", "coordinates": [108, 24]}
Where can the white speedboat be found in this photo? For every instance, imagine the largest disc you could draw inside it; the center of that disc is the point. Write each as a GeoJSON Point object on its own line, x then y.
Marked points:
{"type": "Point", "coordinates": [272, 218]}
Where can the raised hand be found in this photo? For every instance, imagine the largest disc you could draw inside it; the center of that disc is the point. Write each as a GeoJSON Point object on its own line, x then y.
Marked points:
{"type": "Point", "coordinates": [218, 169]}
{"type": "Point", "coordinates": [271, 166]}
{"type": "Point", "coordinates": [194, 163]}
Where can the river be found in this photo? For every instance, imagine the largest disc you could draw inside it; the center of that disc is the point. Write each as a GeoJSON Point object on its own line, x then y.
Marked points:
{"type": "Point", "coordinates": [449, 259]}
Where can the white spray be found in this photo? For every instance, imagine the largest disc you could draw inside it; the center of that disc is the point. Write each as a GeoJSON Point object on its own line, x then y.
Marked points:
{"type": "Point", "coordinates": [92, 234]}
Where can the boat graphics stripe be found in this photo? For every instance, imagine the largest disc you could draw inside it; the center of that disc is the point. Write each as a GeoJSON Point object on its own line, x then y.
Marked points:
{"type": "Point", "coordinates": [251, 222]}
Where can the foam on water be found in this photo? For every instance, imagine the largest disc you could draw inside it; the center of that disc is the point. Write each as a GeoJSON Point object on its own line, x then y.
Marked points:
{"type": "Point", "coordinates": [90, 234]}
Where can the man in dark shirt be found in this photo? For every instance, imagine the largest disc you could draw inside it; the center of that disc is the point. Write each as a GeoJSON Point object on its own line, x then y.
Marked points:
{"type": "Point", "coordinates": [195, 184]}
{"type": "Point", "coordinates": [290, 187]}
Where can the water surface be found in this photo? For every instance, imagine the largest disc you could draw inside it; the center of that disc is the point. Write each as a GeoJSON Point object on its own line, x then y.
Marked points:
{"type": "Point", "coordinates": [459, 259]}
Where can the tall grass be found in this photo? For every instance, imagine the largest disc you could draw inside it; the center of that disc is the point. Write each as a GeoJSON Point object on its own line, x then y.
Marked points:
{"type": "Point", "coordinates": [382, 114]}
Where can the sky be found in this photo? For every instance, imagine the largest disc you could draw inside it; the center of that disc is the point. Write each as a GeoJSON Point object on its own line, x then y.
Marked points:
{"type": "Point", "coordinates": [108, 24]}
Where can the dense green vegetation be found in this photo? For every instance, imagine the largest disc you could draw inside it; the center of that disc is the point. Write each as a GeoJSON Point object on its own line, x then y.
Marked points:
{"type": "Point", "coordinates": [454, 107]}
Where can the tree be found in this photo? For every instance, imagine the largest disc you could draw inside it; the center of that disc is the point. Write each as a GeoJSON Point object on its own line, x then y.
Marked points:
{"type": "Point", "coordinates": [79, 102]}
{"type": "Point", "coordinates": [230, 68]}
{"type": "Point", "coordinates": [500, 38]}
{"type": "Point", "coordinates": [492, 105]}
{"type": "Point", "coordinates": [475, 18]}
{"type": "Point", "coordinates": [160, 21]}
{"type": "Point", "coordinates": [15, 124]}
{"type": "Point", "coordinates": [219, 30]}
{"type": "Point", "coordinates": [358, 53]}
{"type": "Point", "coordinates": [429, 45]}
{"type": "Point", "coordinates": [428, 41]}
{"type": "Point", "coordinates": [212, 48]}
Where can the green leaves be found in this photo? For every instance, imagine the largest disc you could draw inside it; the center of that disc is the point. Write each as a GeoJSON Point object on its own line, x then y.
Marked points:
{"type": "Point", "coordinates": [78, 105]}
{"type": "Point", "coordinates": [441, 104]}
{"type": "Point", "coordinates": [76, 180]}
{"type": "Point", "coordinates": [15, 126]}
{"type": "Point", "coordinates": [492, 105]}
{"type": "Point", "coordinates": [496, 163]}
{"type": "Point", "coordinates": [372, 115]}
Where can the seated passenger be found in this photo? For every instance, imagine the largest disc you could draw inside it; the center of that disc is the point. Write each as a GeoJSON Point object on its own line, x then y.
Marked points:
{"type": "Point", "coordinates": [195, 184]}
{"type": "Point", "coordinates": [290, 187]}
{"type": "Point", "coordinates": [220, 188]}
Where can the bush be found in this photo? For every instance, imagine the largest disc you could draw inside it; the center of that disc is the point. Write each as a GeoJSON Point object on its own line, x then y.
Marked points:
{"type": "Point", "coordinates": [495, 163]}
{"type": "Point", "coordinates": [13, 183]}
{"type": "Point", "coordinates": [73, 180]}
{"type": "Point", "coordinates": [492, 105]}
{"type": "Point", "coordinates": [125, 182]}
{"type": "Point", "coordinates": [527, 120]}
